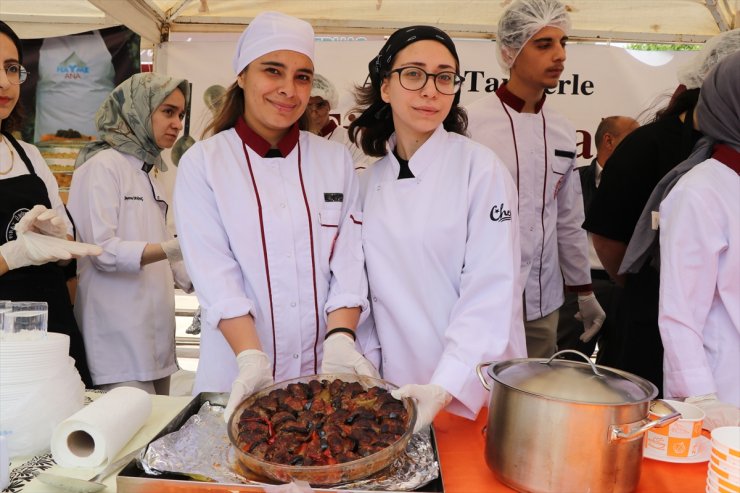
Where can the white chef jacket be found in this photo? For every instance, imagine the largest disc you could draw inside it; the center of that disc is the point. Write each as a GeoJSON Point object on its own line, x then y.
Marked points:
{"type": "Point", "coordinates": [126, 312]}
{"type": "Point", "coordinates": [42, 171]}
{"type": "Point", "coordinates": [277, 238]}
{"type": "Point", "coordinates": [699, 311]}
{"type": "Point", "coordinates": [442, 256]}
{"type": "Point", "coordinates": [539, 149]}
{"type": "Point", "coordinates": [337, 133]}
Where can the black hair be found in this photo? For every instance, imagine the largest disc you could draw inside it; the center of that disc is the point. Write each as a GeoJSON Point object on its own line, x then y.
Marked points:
{"type": "Point", "coordinates": [14, 120]}
{"type": "Point", "coordinates": [686, 101]}
{"type": "Point", "coordinates": [374, 126]}
{"type": "Point", "coordinates": [5, 29]}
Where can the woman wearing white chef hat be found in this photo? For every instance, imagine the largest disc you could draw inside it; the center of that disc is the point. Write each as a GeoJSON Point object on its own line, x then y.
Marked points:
{"type": "Point", "coordinates": [270, 226]}
{"type": "Point", "coordinates": [441, 229]}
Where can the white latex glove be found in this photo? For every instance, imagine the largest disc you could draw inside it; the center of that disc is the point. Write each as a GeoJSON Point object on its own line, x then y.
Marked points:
{"type": "Point", "coordinates": [255, 374]}
{"type": "Point", "coordinates": [172, 250]}
{"type": "Point", "coordinates": [36, 249]}
{"type": "Point", "coordinates": [42, 220]}
{"type": "Point", "coordinates": [430, 399]}
{"type": "Point", "coordinates": [591, 314]}
{"type": "Point", "coordinates": [340, 356]}
{"type": "Point", "coordinates": [717, 413]}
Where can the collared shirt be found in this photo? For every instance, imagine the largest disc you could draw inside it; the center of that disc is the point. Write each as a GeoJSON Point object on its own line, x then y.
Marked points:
{"type": "Point", "coordinates": [443, 259]}
{"type": "Point", "coordinates": [125, 310]}
{"type": "Point", "coordinates": [277, 238]}
{"type": "Point", "coordinates": [539, 150]}
{"type": "Point", "coordinates": [699, 315]}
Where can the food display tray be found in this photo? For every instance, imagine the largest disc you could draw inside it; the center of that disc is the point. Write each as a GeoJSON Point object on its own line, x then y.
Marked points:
{"type": "Point", "coordinates": [133, 480]}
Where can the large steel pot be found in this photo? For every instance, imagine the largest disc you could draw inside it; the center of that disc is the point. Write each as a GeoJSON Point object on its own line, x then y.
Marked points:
{"type": "Point", "coordinates": [565, 426]}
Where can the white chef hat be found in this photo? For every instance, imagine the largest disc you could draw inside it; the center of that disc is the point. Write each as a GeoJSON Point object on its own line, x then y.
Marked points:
{"type": "Point", "coordinates": [273, 31]}
{"type": "Point", "coordinates": [522, 20]}
{"type": "Point", "coordinates": [324, 89]}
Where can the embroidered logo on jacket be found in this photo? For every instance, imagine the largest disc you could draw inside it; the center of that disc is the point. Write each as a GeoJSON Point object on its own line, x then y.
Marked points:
{"type": "Point", "coordinates": [133, 197]}
{"type": "Point", "coordinates": [500, 214]}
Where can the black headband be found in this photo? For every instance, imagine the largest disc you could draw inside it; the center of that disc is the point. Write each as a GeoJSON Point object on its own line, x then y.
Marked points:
{"type": "Point", "coordinates": [381, 64]}
{"type": "Point", "coordinates": [5, 29]}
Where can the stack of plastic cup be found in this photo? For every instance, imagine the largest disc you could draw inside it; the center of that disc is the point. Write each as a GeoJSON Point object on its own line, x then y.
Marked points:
{"type": "Point", "coordinates": [723, 475]}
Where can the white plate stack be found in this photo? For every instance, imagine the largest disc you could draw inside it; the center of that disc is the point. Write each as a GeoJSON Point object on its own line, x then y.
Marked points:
{"type": "Point", "coordinates": [39, 387]}
{"type": "Point", "coordinates": [723, 475]}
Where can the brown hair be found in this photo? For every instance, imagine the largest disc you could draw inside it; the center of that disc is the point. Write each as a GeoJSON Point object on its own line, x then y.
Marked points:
{"type": "Point", "coordinates": [230, 108]}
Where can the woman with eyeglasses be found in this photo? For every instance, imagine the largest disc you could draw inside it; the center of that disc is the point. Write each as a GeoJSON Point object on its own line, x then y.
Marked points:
{"type": "Point", "coordinates": [440, 229]}
{"type": "Point", "coordinates": [34, 225]}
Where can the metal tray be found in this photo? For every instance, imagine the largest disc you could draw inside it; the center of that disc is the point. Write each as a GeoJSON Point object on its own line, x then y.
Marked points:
{"type": "Point", "coordinates": [133, 480]}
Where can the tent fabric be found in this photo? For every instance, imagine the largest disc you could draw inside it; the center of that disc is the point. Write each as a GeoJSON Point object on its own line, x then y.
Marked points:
{"type": "Point", "coordinates": [607, 20]}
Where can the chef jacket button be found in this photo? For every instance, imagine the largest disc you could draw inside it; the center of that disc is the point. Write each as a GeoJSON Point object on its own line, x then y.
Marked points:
{"type": "Point", "coordinates": [292, 303]}
{"type": "Point", "coordinates": [295, 356]}
{"type": "Point", "coordinates": [282, 205]}
{"type": "Point", "coordinates": [531, 228]}
{"type": "Point", "coordinates": [375, 298]}
{"type": "Point", "coordinates": [377, 188]}
{"type": "Point", "coordinates": [289, 255]}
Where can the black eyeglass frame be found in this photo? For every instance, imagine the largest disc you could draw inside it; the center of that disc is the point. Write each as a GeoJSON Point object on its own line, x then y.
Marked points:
{"type": "Point", "coordinates": [457, 84]}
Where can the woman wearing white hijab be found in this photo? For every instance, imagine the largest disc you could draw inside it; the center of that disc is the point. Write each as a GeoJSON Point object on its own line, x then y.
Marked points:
{"type": "Point", "coordinates": [270, 226]}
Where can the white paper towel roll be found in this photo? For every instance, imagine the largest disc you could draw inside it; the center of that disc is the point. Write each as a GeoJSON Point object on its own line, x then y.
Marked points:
{"type": "Point", "coordinates": [95, 434]}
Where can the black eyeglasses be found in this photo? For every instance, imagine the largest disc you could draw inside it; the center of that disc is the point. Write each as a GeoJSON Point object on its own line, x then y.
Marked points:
{"type": "Point", "coordinates": [16, 73]}
{"type": "Point", "coordinates": [414, 78]}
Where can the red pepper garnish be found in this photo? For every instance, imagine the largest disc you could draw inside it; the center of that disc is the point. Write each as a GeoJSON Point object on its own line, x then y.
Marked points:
{"type": "Point", "coordinates": [265, 421]}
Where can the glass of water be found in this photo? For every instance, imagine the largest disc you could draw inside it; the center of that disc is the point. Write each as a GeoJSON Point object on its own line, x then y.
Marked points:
{"type": "Point", "coordinates": [26, 320]}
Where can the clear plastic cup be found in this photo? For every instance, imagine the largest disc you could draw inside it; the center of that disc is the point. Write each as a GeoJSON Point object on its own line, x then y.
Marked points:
{"type": "Point", "coordinates": [26, 320]}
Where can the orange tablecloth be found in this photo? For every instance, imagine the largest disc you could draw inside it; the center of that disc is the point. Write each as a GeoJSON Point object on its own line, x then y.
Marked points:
{"type": "Point", "coordinates": [461, 455]}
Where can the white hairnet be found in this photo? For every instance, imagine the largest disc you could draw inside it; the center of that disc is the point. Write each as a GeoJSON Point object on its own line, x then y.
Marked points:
{"type": "Point", "coordinates": [522, 20]}
{"type": "Point", "coordinates": [325, 90]}
{"type": "Point", "coordinates": [692, 74]}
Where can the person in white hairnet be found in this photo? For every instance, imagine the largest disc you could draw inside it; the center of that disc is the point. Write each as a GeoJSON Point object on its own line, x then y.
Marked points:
{"type": "Point", "coordinates": [635, 168]}
{"type": "Point", "coordinates": [270, 226]}
{"type": "Point", "coordinates": [324, 98]}
{"type": "Point", "coordinates": [538, 146]}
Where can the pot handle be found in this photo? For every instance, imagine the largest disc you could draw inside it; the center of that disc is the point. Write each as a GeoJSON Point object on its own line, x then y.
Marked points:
{"type": "Point", "coordinates": [479, 370]}
{"type": "Point", "coordinates": [586, 358]}
{"type": "Point", "coordinates": [628, 432]}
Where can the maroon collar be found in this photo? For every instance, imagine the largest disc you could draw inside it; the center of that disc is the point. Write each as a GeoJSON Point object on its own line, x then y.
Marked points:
{"type": "Point", "coordinates": [515, 102]}
{"type": "Point", "coordinates": [328, 129]}
{"type": "Point", "coordinates": [727, 156]}
{"type": "Point", "coordinates": [260, 145]}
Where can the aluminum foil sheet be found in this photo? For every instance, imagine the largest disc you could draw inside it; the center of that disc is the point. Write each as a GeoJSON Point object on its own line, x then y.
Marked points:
{"type": "Point", "coordinates": [201, 449]}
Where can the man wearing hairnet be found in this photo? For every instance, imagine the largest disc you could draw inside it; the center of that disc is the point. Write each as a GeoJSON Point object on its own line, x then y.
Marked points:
{"type": "Point", "coordinates": [538, 147]}
{"type": "Point", "coordinates": [324, 98]}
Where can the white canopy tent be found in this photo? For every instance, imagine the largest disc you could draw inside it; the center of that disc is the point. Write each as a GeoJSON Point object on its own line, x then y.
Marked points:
{"type": "Point", "coordinates": [670, 21]}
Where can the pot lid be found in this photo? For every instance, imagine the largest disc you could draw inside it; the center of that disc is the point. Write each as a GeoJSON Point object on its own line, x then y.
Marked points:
{"type": "Point", "coordinates": [572, 380]}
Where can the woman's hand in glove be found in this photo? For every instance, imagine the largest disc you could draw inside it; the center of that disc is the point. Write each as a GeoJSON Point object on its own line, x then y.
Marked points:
{"type": "Point", "coordinates": [36, 249]}
{"type": "Point", "coordinates": [340, 356]}
{"type": "Point", "coordinates": [591, 314]}
{"type": "Point", "coordinates": [716, 412]}
{"type": "Point", "coordinates": [430, 400]}
{"type": "Point", "coordinates": [255, 374]}
{"type": "Point", "coordinates": [172, 250]}
{"type": "Point", "coordinates": [42, 220]}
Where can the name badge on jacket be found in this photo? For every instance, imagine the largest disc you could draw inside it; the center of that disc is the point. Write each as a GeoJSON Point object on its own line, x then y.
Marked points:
{"type": "Point", "coordinates": [333, 197]}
